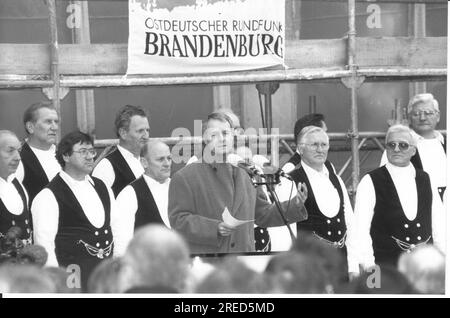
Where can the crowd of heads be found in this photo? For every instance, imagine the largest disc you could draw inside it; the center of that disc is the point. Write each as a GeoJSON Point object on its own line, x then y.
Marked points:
{"type": "Point", "coordinates": [157, 261]}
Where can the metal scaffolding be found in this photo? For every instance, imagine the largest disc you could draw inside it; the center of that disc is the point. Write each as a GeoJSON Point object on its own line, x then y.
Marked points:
{"type": "Point", "coordinates": [62, 75]}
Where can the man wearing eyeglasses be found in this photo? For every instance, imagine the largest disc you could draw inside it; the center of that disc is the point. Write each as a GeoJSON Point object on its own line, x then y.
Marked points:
{"type": "Point", "coordinates": [396, 207]}
{"type": "Point", "coordinates": [330, 214]}
{"type": "Point", "coordinates": [72, 214]}
{"type": "Point", "coordinates": [314, 119]}
{"type": "Point", "coordinates": [424, 115]}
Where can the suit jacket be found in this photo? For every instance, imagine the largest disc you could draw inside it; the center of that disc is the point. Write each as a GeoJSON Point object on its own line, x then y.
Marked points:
{"type": "Point", "coordinates": [198, 195]}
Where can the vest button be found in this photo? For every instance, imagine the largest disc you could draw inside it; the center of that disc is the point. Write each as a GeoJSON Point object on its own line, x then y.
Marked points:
{"type": "Point", "coordinates": [407, 239]}
{"type": "Point", "coordinates": [261, 231]}
{"type": "Point", "coordinates": [329, 233]}
{"type": "Point", "coordinates": [328, 221]}
{"type": "Point", "coordinates": [262, 241]}
{"type": "Point", "coordinates": [419, 238]}
{"type": "Point", "coordinates": [26, 222]}
{"type": "Point", "coordinates": [107, 242]}
{"type": "Point", "coordinates": [338, 220]}
{"type": "Point", "coordinates": [406, 226]}
{"type": "Point", "coordinates": [13, 223]}
{"type": "Point", "coordinates": [106, 231]}
{"type": "Point", "coordinates": [98, 244]}
{"type": "Point", "coordinates": [28, 231]}
{"type": "Point", "coordinates": [96, 233]}
{"type": "Point", "coordinates": [418, 224]}
{"type": "Point", "coordinates": [339, 232]}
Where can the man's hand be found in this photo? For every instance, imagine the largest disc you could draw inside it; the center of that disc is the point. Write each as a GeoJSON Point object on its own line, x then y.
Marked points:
{"type": "Point", "coordinates": [302, 191]}
{"type": "Point", "coordinates": [225, 230]}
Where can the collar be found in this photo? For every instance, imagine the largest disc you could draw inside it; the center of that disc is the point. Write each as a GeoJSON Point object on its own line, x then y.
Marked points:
{"type": "Point", "coordinates": [52, 149]}
{"type": "Point", "coordinates": [310, 170]}
{"type": "Point", "coordinates": [71, 181]}
{"type": "Point", "coordinates": [127, 154]}
{"type": "Point", "coordinates": [150, 181]}
{"type": "Point", "coordinates": [408, 170]}
{"type": "Point", "coordinates": [436, 133]}
{"type": "Point", "coordinates": [9, 179]}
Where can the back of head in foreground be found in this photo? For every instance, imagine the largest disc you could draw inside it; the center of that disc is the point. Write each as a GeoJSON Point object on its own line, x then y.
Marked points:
{"type": "Point", "coordinates": [18, 278]}
{"type": "Point", "coordinates": [156, 257]}
{"type": "Point", "coordinates": [424, 267]}
{"type": "Point", "coordinates": [384, 279]}
{"type": "Point", "coordinates": [298, 273]}
{"type": "Point", "coordinates": [232, 276]}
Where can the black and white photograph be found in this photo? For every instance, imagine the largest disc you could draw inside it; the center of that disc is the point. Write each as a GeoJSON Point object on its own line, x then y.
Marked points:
{"type": "Point", "coordinates": [223, 148]}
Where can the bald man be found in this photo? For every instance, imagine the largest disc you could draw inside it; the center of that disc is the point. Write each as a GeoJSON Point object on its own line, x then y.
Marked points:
{"type": "Point", "coordinates": [145, 200]}
{"type": "Point", "coordinates": [13, 196]}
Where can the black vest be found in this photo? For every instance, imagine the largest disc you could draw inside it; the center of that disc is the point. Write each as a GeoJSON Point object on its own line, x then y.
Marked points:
{"type": "Point", "coordinates": [389, 219]}
{"type": "Point", "coordinates": [77, 240]}
{"type": "Point", "coordinates": [23, 220]}
{"type": "Point", "coordinates": [331, 229]}
{"type": "Point", "coordinates": [35, 178]}
{"type": "Point", "coordinates": [417, 162]}
{"type": "Point", "coordinates": [147, 211]}
{"type": "Point", "coordinates": [123, 173]}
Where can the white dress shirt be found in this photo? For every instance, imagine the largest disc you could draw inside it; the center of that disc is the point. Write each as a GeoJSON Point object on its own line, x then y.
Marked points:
{"type": "Point", "coordinates": [45, 212]}
{"type": "Point", "coordinates": [47, 160]}
{"type": "Point", "coordinates": [328, 201]}
{"type": "Point", "coordinates": [405, 185]}
{"type": "Point", "coordinates": [432, 156]}
{"type": "Point", "coordinates": [10, 196]}
{"type": "Point", "coordinates": [105, 171]}
{"type": "Point", "coordinates": [127, 205]}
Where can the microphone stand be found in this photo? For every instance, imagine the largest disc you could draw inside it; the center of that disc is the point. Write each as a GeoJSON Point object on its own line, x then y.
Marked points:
{"type": "Point", "coordinates": [270, 181]}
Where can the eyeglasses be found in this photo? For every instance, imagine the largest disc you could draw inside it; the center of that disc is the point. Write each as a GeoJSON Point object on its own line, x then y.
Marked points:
{"type": "Point", "coordinates": [426, 113]}
{"type": "Point", "coordinates": [316, 145]}
{"type": "Point", "coordinates": [403, 146]}
{"type": "Point", "coordinates": [85, 152]}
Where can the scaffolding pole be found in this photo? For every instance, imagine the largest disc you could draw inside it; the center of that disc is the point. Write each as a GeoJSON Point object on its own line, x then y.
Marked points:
{"type": "Point", "coordinates": [354, 134]}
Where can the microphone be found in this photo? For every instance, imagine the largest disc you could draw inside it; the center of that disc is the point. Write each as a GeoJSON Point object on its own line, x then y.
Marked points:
{"type": "Point", "coordinates": [237, 162]}
{"type": "Point", "coordinates": [272, 170]}
{"type": "Point", "coordinates": [250, 169]}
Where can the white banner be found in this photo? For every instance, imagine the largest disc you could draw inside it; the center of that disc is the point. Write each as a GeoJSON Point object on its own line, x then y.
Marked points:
{"type": "Point", "coordinates": [204, 36]}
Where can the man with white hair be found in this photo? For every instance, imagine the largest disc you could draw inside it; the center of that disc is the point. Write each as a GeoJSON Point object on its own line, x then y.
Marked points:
{"type": "Point", "coordinates": [396, 208]}
{"type": "Point", "coordinates": [424, 115]}
{"type": "Point", "coordinates": [330, 214]}
{"type": "Point", "coordinates": [145, 200]}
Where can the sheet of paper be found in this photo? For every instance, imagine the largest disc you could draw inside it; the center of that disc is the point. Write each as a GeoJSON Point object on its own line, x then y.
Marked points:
{"type": "Point", "coordinates": [231, 220]}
